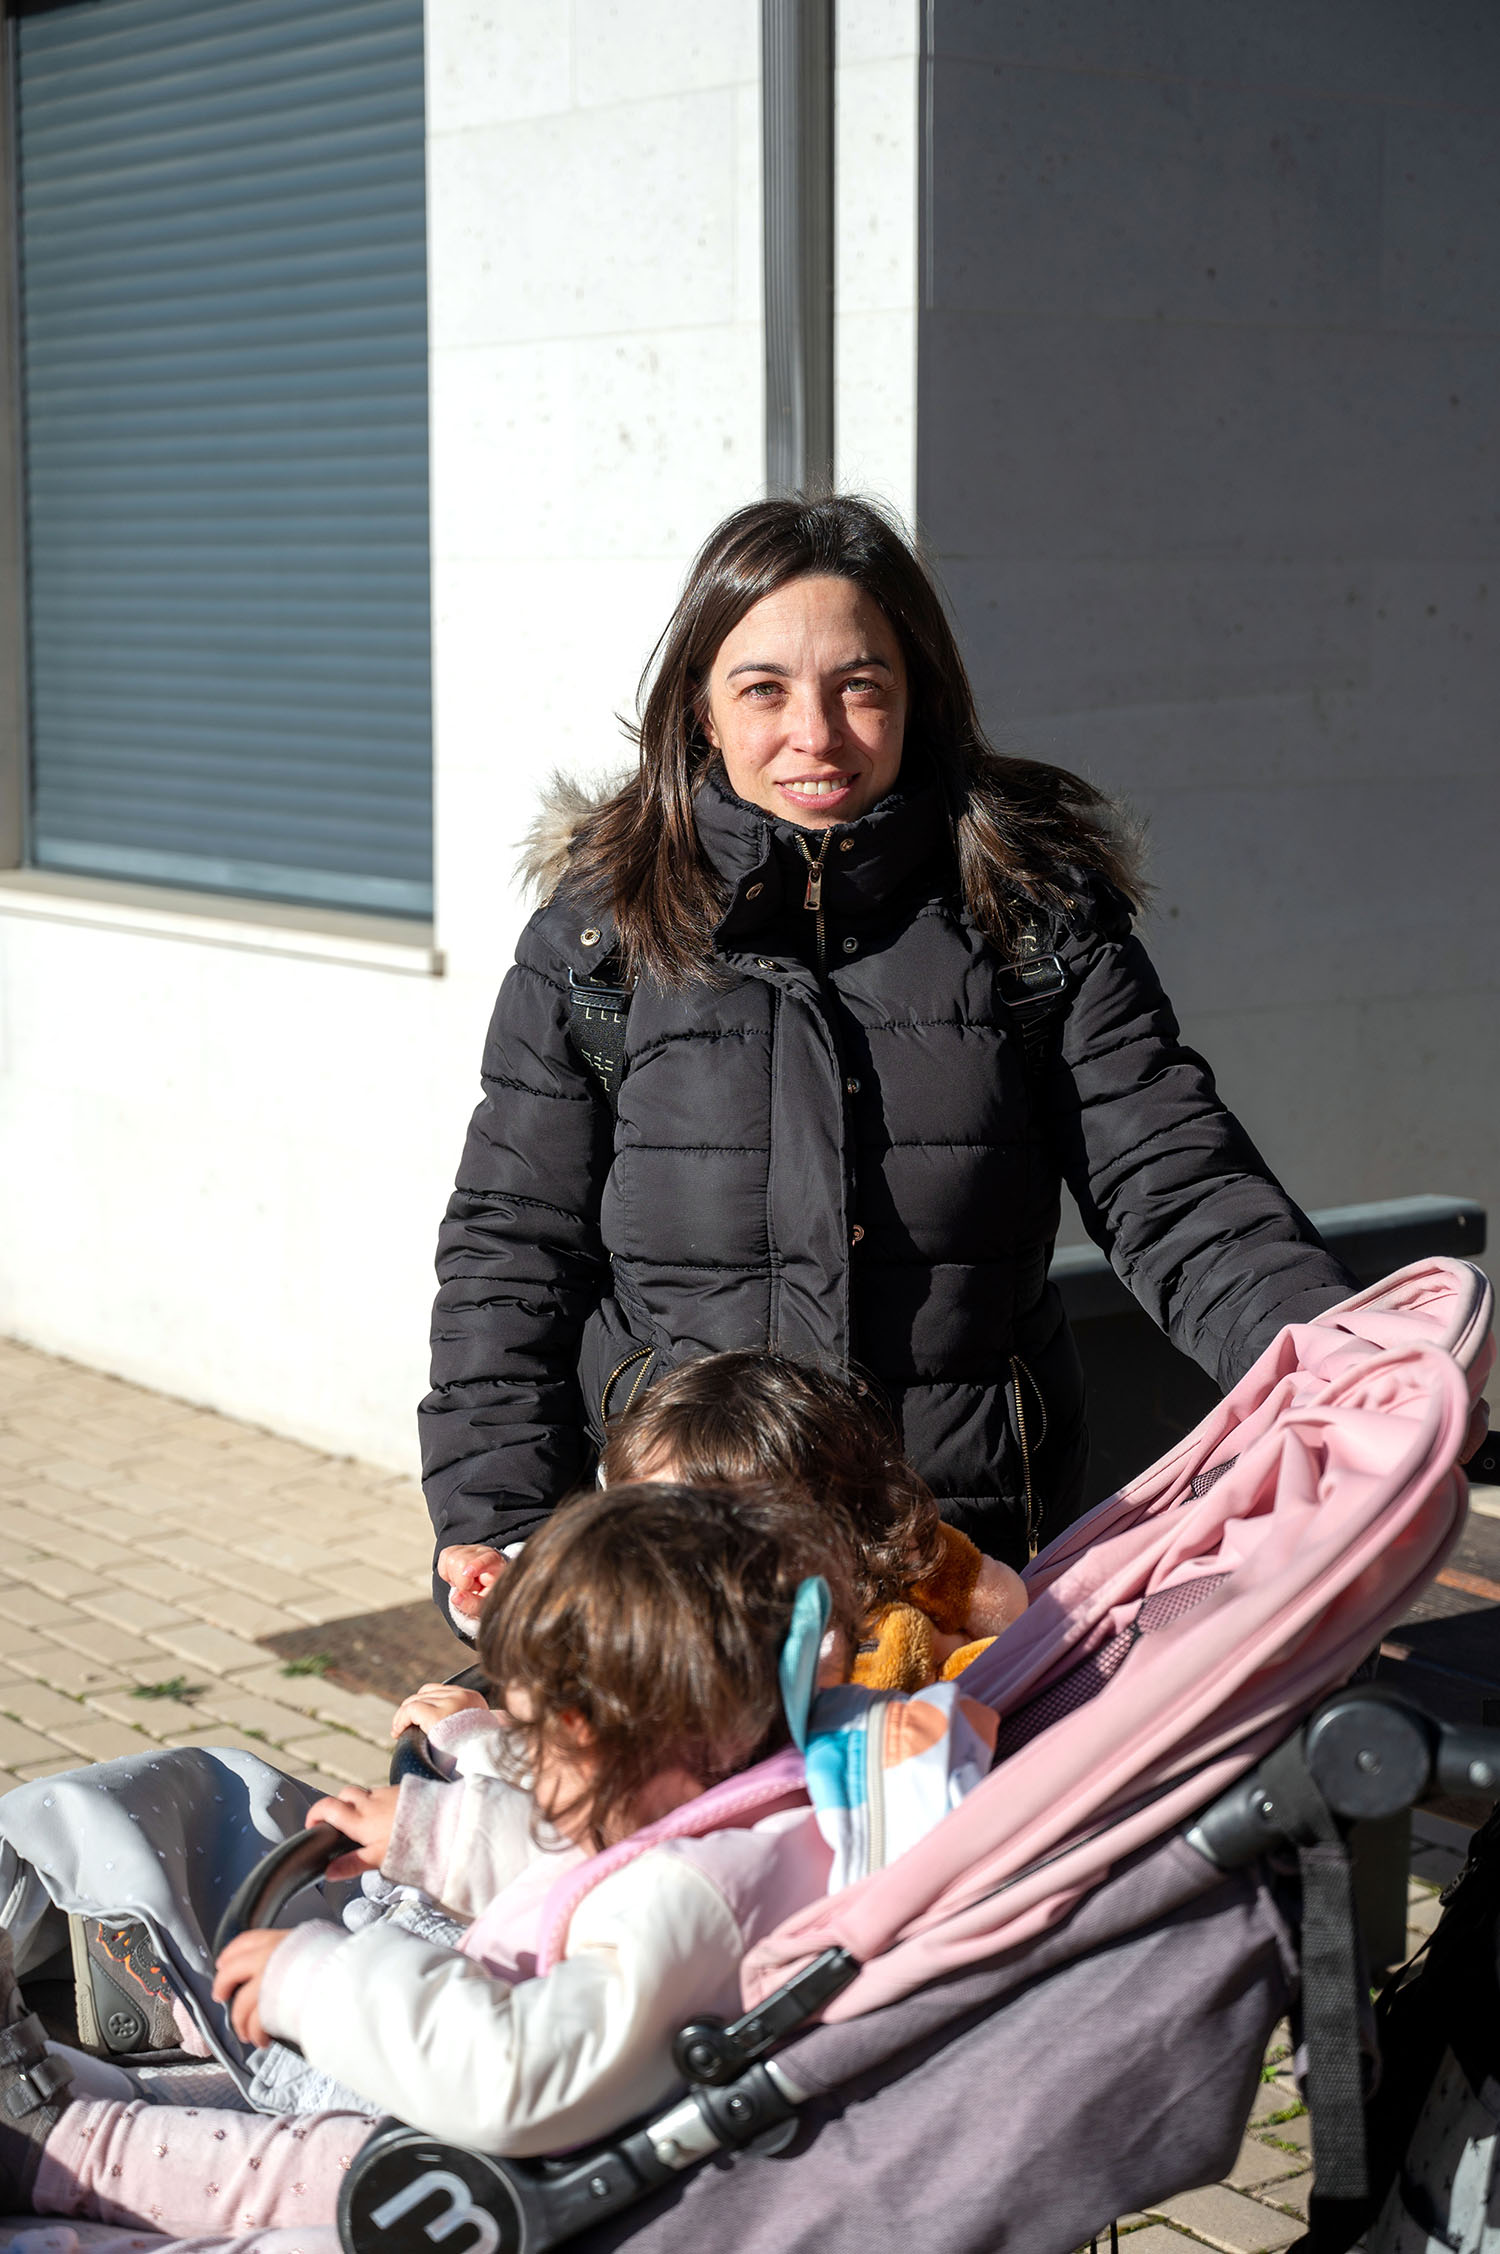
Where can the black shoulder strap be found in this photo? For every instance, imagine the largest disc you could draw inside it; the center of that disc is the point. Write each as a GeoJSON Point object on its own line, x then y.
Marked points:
{"type": "Point", "coordinates": [596, 1025]}
{"type": "Point", "coordinates": [1037, 990]}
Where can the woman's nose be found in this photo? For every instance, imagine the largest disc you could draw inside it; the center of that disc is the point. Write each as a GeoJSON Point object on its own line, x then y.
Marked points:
{"type": "Point", "coordinates": [815, 723]}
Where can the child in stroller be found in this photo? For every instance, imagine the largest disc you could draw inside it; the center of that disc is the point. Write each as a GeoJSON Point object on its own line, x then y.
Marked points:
{"type": "Point", "coordinates": [642, 1646]}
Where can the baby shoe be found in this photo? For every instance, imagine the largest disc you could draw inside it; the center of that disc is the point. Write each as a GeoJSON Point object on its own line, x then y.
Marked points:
{"type": "Point", "coordinates": [122, 1996]}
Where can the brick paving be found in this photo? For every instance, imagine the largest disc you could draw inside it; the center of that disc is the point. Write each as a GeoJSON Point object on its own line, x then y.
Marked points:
{"type": "Point", "coordinates": [145, 1545]}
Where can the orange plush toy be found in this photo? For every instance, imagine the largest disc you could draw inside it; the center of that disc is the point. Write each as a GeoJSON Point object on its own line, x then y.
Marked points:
{"type": "Point", "coordinates": [946, 1619]}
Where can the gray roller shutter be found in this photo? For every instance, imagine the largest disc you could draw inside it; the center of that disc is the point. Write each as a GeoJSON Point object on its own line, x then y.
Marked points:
{"type": "Point", "coordinates": [223, 275]}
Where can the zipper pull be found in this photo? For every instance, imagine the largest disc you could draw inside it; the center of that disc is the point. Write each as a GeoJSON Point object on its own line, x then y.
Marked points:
{"type": "Point", "coordinates": [812, 899]}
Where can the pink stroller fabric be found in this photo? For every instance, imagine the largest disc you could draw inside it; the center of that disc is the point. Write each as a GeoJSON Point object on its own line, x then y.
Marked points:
{"type": "Point", "coordinates": [1181, 1628]}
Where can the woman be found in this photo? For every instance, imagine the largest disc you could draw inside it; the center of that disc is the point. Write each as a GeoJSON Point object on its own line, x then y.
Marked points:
{"type": "Point", "coordinates": [883, 999]}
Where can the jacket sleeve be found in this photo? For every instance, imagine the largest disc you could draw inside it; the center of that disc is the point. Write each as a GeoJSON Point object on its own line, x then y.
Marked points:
{"type": "Point", "coordinates": [520, 1266]}
{"type": "Point", "coordinates": [429, 2035]}
{"type": "Point", "coordinates": [1169, 1184]}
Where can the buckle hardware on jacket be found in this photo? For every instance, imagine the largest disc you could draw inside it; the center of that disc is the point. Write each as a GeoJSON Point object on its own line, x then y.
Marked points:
{"type": "Point", "coordinates": [1036, 991]}
{"type": "Point", "coordinates": [596, 1023]}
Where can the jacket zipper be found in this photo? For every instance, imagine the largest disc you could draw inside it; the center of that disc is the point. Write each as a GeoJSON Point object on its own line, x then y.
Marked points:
{"type": "Point", "coordinates": [812, 899]}
{"type": "Point", "coordinates": [1018, 1369]}
{"type": "Point", "coordinates": [641, 1354]}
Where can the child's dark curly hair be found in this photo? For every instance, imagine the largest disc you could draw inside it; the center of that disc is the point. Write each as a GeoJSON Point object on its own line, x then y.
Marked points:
{"type": "Point", "coordinates": [644, 1624]}
{"type": "Point", "coordinates": [751, 1415]}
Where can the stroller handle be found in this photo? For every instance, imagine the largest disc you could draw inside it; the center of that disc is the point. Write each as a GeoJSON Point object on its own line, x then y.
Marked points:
{"type": "Point", "coordinates": [292, 1864]}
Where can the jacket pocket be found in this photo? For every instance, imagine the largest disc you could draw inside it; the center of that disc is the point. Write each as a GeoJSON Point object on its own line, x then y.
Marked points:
{"type": "Point", "coordinates": [613, 1368]}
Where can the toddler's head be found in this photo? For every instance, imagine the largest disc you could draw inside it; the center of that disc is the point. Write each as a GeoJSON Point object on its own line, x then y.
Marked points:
{"type": "Point", "coordinates": [726, 1419]}
{"type": "Point", "coordinates": [636, 1642]}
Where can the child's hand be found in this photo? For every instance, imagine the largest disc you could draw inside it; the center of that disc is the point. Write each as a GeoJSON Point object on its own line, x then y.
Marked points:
{"type": "Point", "coordinates": [367, 1817]}
{"type": "Point", "coordinates": [434, 1702]}
{"type": "Point", "coordinates": [470, 1570]}
{"type": "Point", "coordinates": [239, 1974]}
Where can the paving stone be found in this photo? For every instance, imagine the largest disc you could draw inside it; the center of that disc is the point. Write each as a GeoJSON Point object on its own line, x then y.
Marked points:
{"type": "Point", "coordinates": [213, 1648]}
{"type": "Point", "coordinates": [247, 1710]}
{"type": "Point", "coordinates": [1260, 2164]}
{"type": "Point", "coordinates": [347, 1710]}
{"type": "Point", "coordinates": [1294, 2194]}
{"type": "Point", "coordinates": [53, 1768]}
{"type": "Point", "coordinates": [268, 1582]}
{"type": "Point", "coordinates": [1297, 2131]}
{"type": "Point", "coordinates": [1422, 1916]}
{"type": "Point", "coordinates": [292, 1553]}
{"type": "Point", "coordinates": [1270, 2097]}
{"type": "Point", "coordinates": [1156, 2238]}
{"type": "Point", "coordinates": [158, 1717]}
{"type": "Point", "coordinates": [129, 1608]}
{"type": "Point", "coordinates": [38, 1705]}
{"type": "Point", "coordinates": [20, 1745]}
{"type": "Point", "coordinates": [314, 1607]}
{"type": "Point", "coordinates": [336, 1755]}
{"type": "Point", "coordinates": [366, 1589]}
{"type": "Point", "coordinates": [238, 1742]}
{"type": "Point", "coordinates": [96, 1738]}
{"type": "Point", "coordinates": [153, 1578]}
{"type": "Point", "coordinates": [65, 1670]}
{"type": "Point", "coordinates": [1230, 2221]}
{"type": "Point", "coordinates": [242, 1614]}
{"type": "Point", "coordinates": [32, 1607]}
{"type": "Point", "coordinates": [57, 1575]}
{"type": "Point", "coordinates": [101, 1640]}
{"type": "Point", "coordinates": [15, 1636]}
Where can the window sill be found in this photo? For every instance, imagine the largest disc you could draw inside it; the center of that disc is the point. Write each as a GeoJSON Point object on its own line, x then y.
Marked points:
{"type": "Point", "coordinates": [211, 919]}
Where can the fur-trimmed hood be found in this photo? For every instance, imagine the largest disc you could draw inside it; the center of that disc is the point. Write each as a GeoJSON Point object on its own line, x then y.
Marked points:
{"type": "Point", "coordinates": [567, 801]}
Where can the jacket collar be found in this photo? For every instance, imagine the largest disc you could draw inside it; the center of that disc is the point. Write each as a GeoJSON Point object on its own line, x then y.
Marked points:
{"type": "Point", "coordinates": [763, 868]}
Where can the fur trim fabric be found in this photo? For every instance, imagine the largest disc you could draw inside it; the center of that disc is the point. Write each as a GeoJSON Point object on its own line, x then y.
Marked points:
{"type": "Point", "coordinates": [566, 804]}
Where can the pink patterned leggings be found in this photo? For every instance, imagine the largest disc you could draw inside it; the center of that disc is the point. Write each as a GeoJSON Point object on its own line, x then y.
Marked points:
{"type": "Point", "coordinates": [190, 2172]}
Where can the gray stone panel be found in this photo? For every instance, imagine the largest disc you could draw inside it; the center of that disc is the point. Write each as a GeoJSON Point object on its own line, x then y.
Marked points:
{"type": "Point", "coordinates": [1209, 381]}
{"type": "Point", "coordinates": [1408, 51]}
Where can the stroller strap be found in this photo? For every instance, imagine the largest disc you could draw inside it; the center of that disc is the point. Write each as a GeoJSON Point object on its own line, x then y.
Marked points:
{"type": "Point", "coordinates": [1330, 1974]}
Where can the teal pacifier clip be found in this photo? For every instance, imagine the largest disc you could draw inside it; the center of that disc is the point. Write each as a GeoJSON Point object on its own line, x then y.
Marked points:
{"type": "Point", "coordinates": [812, 1609]}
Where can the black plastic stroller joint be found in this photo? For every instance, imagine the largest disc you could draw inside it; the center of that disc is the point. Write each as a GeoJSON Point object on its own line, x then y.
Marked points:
{"type": "Point", "coordinates": [1367, 1754]}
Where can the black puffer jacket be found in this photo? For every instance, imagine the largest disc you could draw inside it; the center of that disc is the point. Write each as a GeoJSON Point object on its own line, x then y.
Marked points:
{"type": "Point", "coordinates": [858, 1169]}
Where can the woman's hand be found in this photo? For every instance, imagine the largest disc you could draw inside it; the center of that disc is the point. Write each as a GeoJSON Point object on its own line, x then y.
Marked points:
{"type": "Point", "coordinates": [471, 1571]}
{"type": "Point", "coordinates": [434, 1702]}
{"type": "Point", "coordinates": [239, 1974]}
{"type": "Point", "coordinates": [366, 1816]}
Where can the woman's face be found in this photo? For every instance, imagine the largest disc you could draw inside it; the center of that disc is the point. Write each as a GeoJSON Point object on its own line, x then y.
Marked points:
{"type": "Point", "coordinates": [807, 703]}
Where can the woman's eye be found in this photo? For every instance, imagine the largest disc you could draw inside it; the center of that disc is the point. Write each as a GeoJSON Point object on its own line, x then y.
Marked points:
{"type": "Point", "coordinates": [860, 686]}
{"type": "Point", "coordinates": [763, 689]}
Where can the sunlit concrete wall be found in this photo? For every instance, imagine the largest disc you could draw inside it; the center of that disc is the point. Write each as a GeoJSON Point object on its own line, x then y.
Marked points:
{"type": "Point", "coordinates": [1208, 391]}
{"type": "Point", "coordinates": [222, 1163]}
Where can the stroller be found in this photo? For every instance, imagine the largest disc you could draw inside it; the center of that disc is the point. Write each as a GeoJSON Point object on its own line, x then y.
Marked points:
{"type": "Point", "coordinates": [1155, 1869]}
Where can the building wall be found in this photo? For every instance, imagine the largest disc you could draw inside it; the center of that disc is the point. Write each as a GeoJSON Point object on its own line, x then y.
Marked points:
{"type": "Point", "coordinates": [222, 1163]}
{"type": "Point", "coordinates": [1208, 386]}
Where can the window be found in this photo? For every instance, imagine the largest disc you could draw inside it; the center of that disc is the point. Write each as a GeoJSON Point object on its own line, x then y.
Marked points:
{"type": "Point", "coordinates": [221, 209]}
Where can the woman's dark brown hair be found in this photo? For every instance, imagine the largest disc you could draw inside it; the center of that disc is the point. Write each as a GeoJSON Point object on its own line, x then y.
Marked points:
{"type": "Point", "coordinates": [647, 1623]}
{"type": "Point", "coordinates": [1015, 822]}
{"type": "Point", "coordinates": [725, 1419]}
